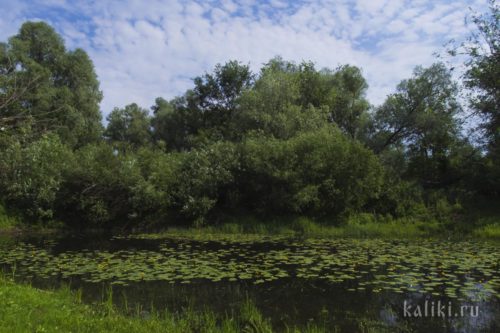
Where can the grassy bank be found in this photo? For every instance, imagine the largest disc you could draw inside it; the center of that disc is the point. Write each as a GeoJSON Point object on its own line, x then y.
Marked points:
{"type": "Point", "coordinates": [358, 226]}
{"type": "Point", "coordinates": [14, 222]}
{"type": "Point", "coordinates": [488, 231]}
{"type": "Point", "coordinates": [26, 309]}
{"type": "Point", "coordinates": [481, 221]}
{"type": "Point", "coordinates": [309, 229]}
{"type": "Point", "coordinates": [8, 221]}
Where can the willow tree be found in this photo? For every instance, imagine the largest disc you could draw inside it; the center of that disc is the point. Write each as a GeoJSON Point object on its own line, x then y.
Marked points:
{"type": "Point", "coordinates": [49, 87]}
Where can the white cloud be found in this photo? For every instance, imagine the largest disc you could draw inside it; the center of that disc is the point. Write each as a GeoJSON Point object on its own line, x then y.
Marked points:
{"type": "Point", "coordinates": [142, 51]}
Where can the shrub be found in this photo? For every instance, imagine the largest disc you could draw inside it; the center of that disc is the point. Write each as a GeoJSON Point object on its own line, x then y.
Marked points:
{"type": "Point", "coordinates": [314, 173]}
{"type": "Point", "coordinates": [33, 174]}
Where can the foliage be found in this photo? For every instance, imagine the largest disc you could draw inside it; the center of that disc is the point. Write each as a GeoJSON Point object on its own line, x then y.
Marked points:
{"type": "Point", "coordinates": [481, 78]}
{"type": "Point", "coordinates": [205, 179]}
{"type": "Point", "coordinates": [289, 141]}
{"type": "Point", "coordinates": [488, 231]}
{"type": "Point", "coordinates": [420, 121]}
{"type": "Point", "coordinates": [32, 175]}
{"type": "Point", "coordinates": [7, 221]}
{"type": "Point", "coordinates": [129, 125]}
{"type": "Point", "coordinates": [483, 69]}
{"type": "Point", "coordinates": [202, 113]}
{"type": "Point", "coordinates": [316, 173]}
{"type": "Point", "coordinates": [99, 186]}
{"type": "Point", "coordinates": [273, 107]}
{"type": "Point", "coordinates": [57, 89]}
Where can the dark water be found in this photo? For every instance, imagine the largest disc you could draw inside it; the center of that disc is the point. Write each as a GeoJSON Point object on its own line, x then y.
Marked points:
{"type": "Point", "coordinates": [347, 285]}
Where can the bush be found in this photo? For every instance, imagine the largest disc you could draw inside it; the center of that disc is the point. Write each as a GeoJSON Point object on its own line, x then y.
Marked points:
{"type": "Point", "coordinates": [315, 173]}
{"type": "Point", "coordinates": [33, 174]}
{"type": "Point", "coordinates": [400, 198]}
{"type": "Point", "coordinates": [99, 187]}
{"type": "Point", "coordinates": [205, 180]}
{"type": "Point", "coordinates": [154, 194]}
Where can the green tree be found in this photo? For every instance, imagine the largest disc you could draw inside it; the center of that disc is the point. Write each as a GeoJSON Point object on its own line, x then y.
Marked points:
{"type": "Point", "coordinates": [482, 78]}
{"type": "Point", "coordinates": [174, 124]}
{"type": "Point", "coordinates": [131, 124]}
{"type": "Point", "coordinates": [274, 106]}
{"type": "Point", "coordinates": [288, 98]}
{"type": "Point", "coordinates": [31, 175]}
{"type": "Point", "coordinates": [55, 88]}
{"type": "Point", "coordinates": [203, 113]}
{"type": "Point", "coordinates": [347, 103]}
{"type": "Point", "coordinates": [420, 120]}
{"type": "Point", "coordinates": [205, 180]}
{"type": "Point", "coordinates": [315, 173]}
{"type": "Point", "coordinates": [482, 74]}
{"type": "Point", "coordinates": [99, 188]}
{"type": "Point", "coordinates": [215, 95]}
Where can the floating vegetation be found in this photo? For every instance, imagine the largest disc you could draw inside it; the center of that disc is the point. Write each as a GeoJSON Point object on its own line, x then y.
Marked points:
{"type": "Point", "coordinates": [461, 270]}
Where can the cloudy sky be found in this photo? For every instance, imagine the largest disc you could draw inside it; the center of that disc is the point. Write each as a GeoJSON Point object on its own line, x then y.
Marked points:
{"type": "Point", "coordinates": [145, 49]}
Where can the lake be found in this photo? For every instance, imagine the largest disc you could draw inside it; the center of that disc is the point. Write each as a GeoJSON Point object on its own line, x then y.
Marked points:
{"type": "Point", "coordinates": [342, 284]}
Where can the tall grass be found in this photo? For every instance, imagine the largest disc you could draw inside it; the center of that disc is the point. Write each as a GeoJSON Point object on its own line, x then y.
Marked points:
{"type": "Point", "coordinates": [27, 309]}
{"type": "Point", "coordinates": [488, 231]}
{"type": "Point", "coordinates": [356, 226]}
{"type": "Point", "coordinates": [7, 221]}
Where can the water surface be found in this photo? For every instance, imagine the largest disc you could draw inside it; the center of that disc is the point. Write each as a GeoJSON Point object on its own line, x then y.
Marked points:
{"type": "Point", "coordinates": [343, 284]}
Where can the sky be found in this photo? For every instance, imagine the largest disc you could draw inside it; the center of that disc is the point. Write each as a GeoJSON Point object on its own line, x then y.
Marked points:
{"type": "Point", "coordinates": [146, 49]}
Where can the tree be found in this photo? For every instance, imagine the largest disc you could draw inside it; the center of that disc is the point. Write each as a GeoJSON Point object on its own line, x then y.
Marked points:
{"type": "Point", "coordinates": [216, 93]}
{"type": "Point", "coordinates": [14, 84]}
{"type": "Point", "coordinates": [31, 175]}
{"type": "Point", "coordinates": [203, 113]}
{"type": "Point", "coordinates": [99, 187]}
{"type": "Point", "coordinates": [205, 180]}
{"type": "Point", "coordinates": [482, 78]}
{"type": "Point", "coordinates": [348, 106]}
{"type": "Point", "coordinates": [57, 89]}
{"type": "Point", "coordinates": [315, 173]}
{"type": "Point", "coordinates": [131, 125]}
{"type": "Point", "coordinates": [175, 124]}
{"type": "Point", "coordinates": [275, 107]}
{"type": "Point", "coordinates": [420, 120]}
{"type": "Point", "coordinates": [482, 75]}
{"type": "Point", "coordinates": [287, 98]}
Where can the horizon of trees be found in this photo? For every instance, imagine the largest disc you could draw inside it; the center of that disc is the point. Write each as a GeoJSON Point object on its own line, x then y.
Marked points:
{"type": "Point", "coordinates": [289, 140]}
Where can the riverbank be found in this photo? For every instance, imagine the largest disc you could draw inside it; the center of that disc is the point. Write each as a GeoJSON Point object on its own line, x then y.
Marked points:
{"type": "Point", "coordinates": [24, 308]}
{"type": "Point", "coordinates": [27, 309]}
{"type": "Point", "coordinates": [307, 281]}
{"type": "Point", "coordinates": [8, 222]}
{"type": "Point", "coordinates": [482, 222]}
{"type": "Point", "coordinates": [357, 227]}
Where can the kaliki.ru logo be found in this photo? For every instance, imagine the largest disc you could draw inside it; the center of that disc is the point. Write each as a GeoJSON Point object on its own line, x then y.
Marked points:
{"type": "Point", "coordinates": [438, 309]}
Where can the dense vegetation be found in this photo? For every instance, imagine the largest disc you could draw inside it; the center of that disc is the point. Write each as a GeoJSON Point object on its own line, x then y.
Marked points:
{"type": "Point", "coordinates": [291, 140]}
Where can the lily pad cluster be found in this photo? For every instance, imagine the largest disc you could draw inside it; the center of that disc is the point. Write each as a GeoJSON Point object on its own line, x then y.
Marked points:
{"type": "Point", "coordinates": [463, 270]}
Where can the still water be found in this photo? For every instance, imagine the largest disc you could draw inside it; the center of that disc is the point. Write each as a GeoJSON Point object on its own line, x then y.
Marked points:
{"type": "Point", "coordinates": [342, 284]}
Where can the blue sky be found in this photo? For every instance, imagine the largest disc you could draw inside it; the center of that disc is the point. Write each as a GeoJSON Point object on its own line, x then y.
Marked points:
{"type": "Point", "coordinates": [145, 49]}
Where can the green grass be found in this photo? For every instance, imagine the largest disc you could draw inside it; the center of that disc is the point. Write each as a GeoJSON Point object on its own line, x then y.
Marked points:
{"type": "Point", "coordinates": [361, 225]}
{"type": "Point", "coordinates": [481, 221]}
{"type": "Point", "coordinates": [27, 309]}
{"type": "Point", "coordinates": [7, 221]}
{"type": "Point", "coordinates": [24, 308]}
{"type": "Point", "coordinates": [488, 231]}
{"type": "Point", "coordinates": [14, 222]}
{"type": "Point", "coordinates": [356, 226]}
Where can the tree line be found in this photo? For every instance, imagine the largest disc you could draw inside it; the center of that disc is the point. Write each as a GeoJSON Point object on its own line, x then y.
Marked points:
{"type": "Point", "coordinates": [290, 140]}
